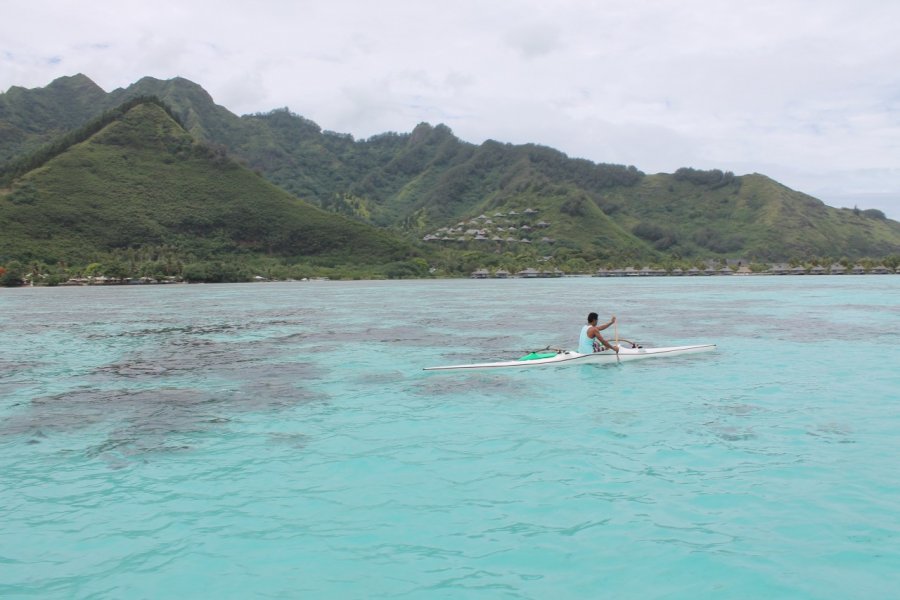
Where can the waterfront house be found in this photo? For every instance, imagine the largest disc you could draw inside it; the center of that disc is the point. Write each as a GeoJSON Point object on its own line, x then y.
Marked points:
{"type": "Point", "coordinates": [838, 269]}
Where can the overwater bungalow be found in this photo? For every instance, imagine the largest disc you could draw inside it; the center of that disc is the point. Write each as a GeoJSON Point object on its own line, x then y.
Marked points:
{"type": "Point", "coordinates": [817, 270]}
{"type": "Point", "coordinates": [480, 274]}
{"type": "Point", "coordinates": [838, 269]}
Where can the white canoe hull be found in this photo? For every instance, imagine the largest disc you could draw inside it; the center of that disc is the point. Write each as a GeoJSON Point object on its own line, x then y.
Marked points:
{"type": "Point", "coordinates": [566, 357]}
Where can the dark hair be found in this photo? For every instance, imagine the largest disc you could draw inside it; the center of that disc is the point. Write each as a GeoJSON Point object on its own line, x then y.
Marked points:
{"type": "Point", "coordinates": [592, 317]}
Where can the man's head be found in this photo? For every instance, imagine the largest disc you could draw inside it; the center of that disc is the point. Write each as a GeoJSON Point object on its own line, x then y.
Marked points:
{"type": "Point", "coordinates": [592, 318]}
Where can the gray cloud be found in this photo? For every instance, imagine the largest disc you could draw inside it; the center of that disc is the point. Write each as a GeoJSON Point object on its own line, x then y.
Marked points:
{"type": "Point", "coordinates": [535, 40]}
{"type": "Point", "coordinates": [806, 92]}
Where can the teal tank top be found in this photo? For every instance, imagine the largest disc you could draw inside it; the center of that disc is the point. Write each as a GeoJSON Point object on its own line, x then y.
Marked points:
{"type": "Point", "coordinates": [585, 344]}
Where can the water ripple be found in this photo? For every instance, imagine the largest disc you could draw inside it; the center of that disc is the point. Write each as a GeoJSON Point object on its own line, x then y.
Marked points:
{"type": "Point", "coordinates": [282, 441]}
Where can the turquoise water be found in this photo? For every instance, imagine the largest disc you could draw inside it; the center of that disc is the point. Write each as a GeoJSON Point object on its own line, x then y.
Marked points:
{"type": "Point", "coordinates": [281, 441]}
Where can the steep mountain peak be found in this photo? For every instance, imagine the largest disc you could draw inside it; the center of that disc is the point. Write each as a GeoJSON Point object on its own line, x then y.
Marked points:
{"type": "Point", "coordinates": [420, 132]}
{"type": "Point", "coordinates": [175, 85]}
{"type": "Point", "coordinates": [79, 81]}
{"type": "Point", "coordinates": [426, 132]}
{"type": "Point", "coordinates": [146, 125]}
{"type": "Point", "coordinates": [63, 104]}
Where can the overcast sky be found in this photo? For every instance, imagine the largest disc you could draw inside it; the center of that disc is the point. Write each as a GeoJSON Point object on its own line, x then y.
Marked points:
{"type": "Point", "coordinates": [807, 92]}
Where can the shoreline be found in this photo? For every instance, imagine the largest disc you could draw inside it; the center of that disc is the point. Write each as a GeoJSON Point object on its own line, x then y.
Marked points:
{"type": "Point", "coordinates": [635, 275]}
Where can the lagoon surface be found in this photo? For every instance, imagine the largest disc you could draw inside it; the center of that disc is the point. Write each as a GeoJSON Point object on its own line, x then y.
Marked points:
{"type": "Point", "coordinates": [281, 441]}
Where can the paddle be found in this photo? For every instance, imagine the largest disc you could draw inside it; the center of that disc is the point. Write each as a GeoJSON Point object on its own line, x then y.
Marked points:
{"type": "Point", "coordinates": [616, 330]}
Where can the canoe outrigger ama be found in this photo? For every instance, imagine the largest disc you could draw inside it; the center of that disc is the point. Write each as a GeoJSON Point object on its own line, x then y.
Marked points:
{"type": "Point", "coordinates": [558, 356]}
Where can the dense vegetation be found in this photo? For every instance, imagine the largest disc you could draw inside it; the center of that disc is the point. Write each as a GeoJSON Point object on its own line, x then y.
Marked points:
{"type": "Point", "coordinates": [407, 184]}
{"type": "Point", "coordinates": [28, 162]}
{"type": "Point", "coordinates": [141, 197]}
{"type": "Point", "coordinates": [30, 118]}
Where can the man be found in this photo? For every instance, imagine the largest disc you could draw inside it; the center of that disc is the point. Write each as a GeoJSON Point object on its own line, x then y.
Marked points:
{"type": "Point", "coordinates": [590, 339]}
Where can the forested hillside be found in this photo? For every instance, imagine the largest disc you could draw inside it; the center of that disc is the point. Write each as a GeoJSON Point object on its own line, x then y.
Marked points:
{"type": "Point", "coordinates": [429, 184]}
{"type": "Point", "coordinates": [142, 197]}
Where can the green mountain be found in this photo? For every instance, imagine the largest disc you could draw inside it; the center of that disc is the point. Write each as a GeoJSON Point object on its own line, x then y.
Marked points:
{"type": "Point", "coordinates": [31, 117]}
{"type": "Point", "coordinates": [428, 181]}
{"type": "Point", "coordinates": [142, 189]}
{"type": "Point", "coordinates": [698, 213]}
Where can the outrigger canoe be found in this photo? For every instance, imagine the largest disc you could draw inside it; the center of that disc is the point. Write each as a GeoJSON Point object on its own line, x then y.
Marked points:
{"type": "Point", "coordinates": [555, 356]}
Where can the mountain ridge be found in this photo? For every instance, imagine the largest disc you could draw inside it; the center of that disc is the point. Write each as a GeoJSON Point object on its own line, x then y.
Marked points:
{"type": "Point", "coordinates": [143, 182]}
{"type": "Point", "coordinates": [427, 179]}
